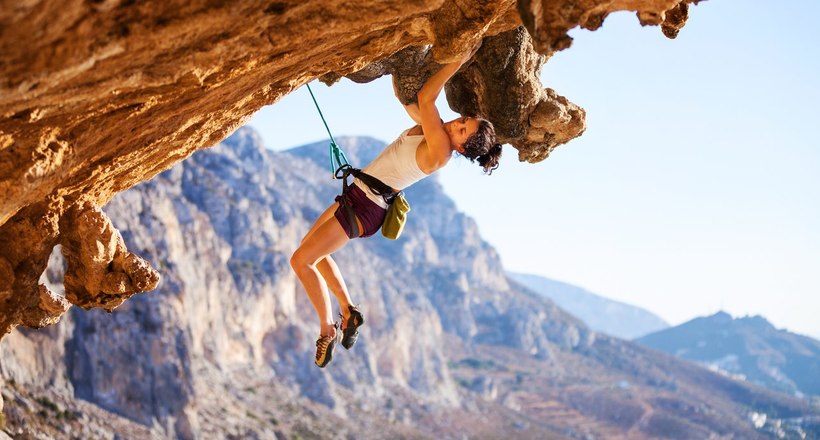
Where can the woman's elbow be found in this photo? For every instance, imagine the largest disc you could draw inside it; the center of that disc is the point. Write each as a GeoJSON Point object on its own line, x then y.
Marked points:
{"type": "Point", "coordinates": [424, 96]}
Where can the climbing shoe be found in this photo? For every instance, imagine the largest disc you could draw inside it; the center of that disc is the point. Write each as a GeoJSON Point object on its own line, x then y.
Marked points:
{"type": "Point", "coordinates": [325, 346]}
{"type": "Point", "coordinates": [351, 327]}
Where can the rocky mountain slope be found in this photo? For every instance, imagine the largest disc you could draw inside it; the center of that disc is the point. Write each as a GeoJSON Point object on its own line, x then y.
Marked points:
{"type": "Point", "coordinates": [599, 313]}
{"type": "Point", "coordinates": [451, 348]}
{"type": "Point", "coordinates": [97, 96]}
{"type": "Point", "coordinates": [750, 348]}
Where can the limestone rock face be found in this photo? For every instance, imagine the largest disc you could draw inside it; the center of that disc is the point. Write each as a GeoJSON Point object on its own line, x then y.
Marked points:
{"type": "Point", "coordinates": [221, 226]}
{"type": "Point", "coordinates": [501, 84]}
{"type": "Point", "coordinates": [97, 96]}
{"type": "Point", "coordinates": [548, 21]}
{"type": "Point", "coordinates": [450, 348]}
{"type": "Point", "coordinates": [101, 273]}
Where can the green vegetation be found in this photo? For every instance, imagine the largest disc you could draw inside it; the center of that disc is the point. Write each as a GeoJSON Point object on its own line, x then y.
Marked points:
{"type": "Point", "coordinates": [463, 382]}
{"type": "Point", "coordinates": [252, 416]}
{"type": "Point", "coordinates": [476, 364]}
{"type": "Point", "coordinates": [68, 415]}
{"type": "Point", "coordinates": [48, 404]}
{"type": "Point", "coordinates": [50, 407]}
{"type": "Point", "coordinates": [304, 432]}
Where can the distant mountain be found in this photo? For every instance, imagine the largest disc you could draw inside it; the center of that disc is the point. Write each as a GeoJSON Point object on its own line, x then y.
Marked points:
{"type": "Point", "coordinates": [601, 314]}
{"type": "Point", "coordinates": [451, 348]}
{"type": "Point", "coordinates": [749, 348]}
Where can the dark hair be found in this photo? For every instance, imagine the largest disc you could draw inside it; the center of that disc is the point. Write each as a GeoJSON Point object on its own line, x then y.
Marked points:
{"type": "Point", "coordinates": [481, 145]}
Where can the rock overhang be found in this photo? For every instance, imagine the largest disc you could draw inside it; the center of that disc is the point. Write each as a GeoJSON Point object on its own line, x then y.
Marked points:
{"type": "Point", "coordinates": [97, 96]}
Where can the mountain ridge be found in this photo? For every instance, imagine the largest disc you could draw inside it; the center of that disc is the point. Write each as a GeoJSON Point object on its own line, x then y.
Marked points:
{"type": "Point", "coordinates": [601, 314]}
{"type": "Point", "coordinates": [451, 347]}
{"type": "Point", "coordinates": [749, 347]}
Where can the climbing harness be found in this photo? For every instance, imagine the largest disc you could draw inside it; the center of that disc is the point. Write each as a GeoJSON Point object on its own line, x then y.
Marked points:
{"type": "Point", "coordinates": [396, 213]}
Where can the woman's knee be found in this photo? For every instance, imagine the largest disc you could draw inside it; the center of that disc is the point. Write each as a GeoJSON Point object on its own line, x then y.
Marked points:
{"type": "Point", "coordinates": [298, 261]}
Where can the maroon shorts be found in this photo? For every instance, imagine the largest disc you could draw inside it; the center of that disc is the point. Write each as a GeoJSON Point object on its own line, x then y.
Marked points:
{"type": "Point", "coordinates": [367, 211]}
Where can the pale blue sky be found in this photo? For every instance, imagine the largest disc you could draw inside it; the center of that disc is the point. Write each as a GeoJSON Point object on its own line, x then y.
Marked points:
{"type": "Point", "coordinates": [696, 186]}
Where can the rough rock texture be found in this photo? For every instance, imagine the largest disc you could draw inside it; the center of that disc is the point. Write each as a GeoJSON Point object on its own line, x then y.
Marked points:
{"type": "Point", "coordinates": [533, 119]}
{"type": "Point", "coordinates": [101, 272]}
{"type": "Point", "coordinates": [502, 84]}
{"type": "Point", "coordinates": [96, 96]}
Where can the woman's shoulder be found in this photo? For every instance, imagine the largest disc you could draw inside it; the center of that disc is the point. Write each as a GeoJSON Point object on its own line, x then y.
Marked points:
{"type": "Point", "coordinates": [414, 131]}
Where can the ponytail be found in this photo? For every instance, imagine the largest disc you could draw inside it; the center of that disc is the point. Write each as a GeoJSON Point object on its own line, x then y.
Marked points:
{"type": "Point", "coordinates": [490, 160]}
{"type": "Point", "coordinates": [481, 145]}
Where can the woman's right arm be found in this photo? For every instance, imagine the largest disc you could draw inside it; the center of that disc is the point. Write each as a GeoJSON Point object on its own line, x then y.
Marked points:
{"type": "Point", "coordinates": [439, 149]}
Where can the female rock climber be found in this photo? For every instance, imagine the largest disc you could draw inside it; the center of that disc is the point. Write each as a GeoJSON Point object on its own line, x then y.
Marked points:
{"type": "Point", "coordinates": [417, 153]}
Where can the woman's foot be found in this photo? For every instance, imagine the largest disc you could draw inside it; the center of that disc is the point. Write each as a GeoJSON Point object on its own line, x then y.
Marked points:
{"type": "Point", "coordinates": [351, 326]}
{"type": "Point", "coordinates": [325, 346]}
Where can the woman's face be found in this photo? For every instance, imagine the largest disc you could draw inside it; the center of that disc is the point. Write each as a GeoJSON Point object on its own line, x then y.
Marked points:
{"type": "Point", "coordinates": [460, 130]}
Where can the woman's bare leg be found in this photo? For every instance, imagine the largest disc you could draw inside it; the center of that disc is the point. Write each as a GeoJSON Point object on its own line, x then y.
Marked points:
{"type": "Point", "coordinates": [335, 282]}
{"type": "Point", "coordinates": [329, 269]}
{"type": "Point", "coordinates": [325, 237]}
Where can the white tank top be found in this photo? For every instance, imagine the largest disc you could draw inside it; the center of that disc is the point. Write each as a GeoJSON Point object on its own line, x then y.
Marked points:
{"type": "Point", "coordinates": [396, 166]}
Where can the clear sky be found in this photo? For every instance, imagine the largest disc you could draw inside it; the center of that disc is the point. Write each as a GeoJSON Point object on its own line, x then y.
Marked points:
{"type": "Point", "coordinates": [695, 188]}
